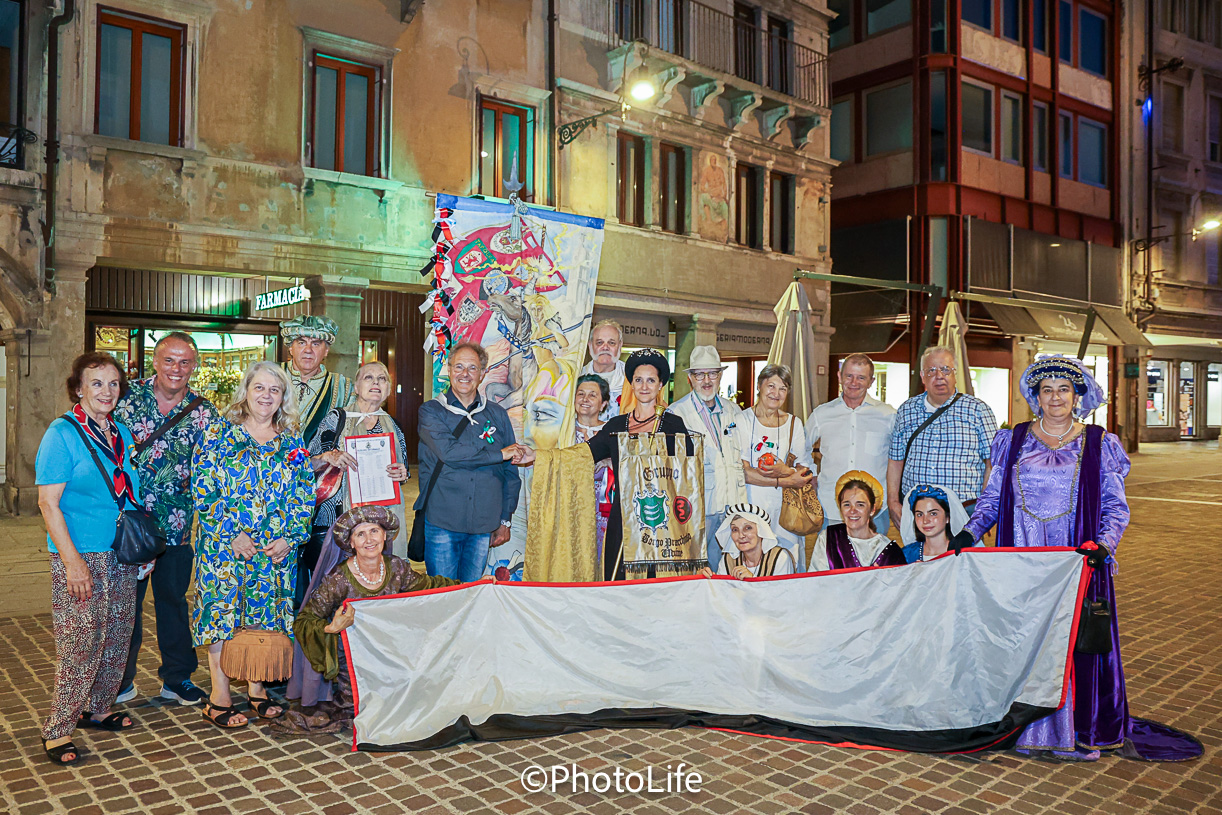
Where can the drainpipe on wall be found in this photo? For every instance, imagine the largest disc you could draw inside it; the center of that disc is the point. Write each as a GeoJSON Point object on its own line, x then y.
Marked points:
{"type": "Point", "coordinates": [52, 156]}
{"type": "Point", "coordinates": [552, 197]}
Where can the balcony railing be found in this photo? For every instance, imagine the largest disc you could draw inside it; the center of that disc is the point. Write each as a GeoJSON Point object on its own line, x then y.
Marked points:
{"type": "Point", "coordinates": [714, 39]}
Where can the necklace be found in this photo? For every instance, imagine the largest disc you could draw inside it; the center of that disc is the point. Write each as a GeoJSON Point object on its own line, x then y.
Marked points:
{"type": "Point", "coordinates": [356, 570]}
{"type": "Point", "coordinates": [1061, 438]}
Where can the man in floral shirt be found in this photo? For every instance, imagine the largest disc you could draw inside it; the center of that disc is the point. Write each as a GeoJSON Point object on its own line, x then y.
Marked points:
{"type": "Point", "coordinates": [166, 400]}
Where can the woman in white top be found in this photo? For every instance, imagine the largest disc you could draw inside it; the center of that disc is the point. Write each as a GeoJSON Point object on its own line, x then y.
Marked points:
{"type": "Point", "coordinates": [759, 554]}
{"type": "Point", "coordinates": [855, 543]}
{"type": "Point", "coordinates": [766, 435]}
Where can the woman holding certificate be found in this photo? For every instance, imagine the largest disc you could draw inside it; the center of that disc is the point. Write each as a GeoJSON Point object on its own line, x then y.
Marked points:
{"type": "Point", "coordinates": [360, 456]}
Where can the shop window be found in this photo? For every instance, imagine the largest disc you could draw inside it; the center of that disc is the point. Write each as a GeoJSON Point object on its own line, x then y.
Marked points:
{"type": "Point", "coordinates": [344, 125]}
{"type": "Point", "coordinates": [1065, 30]}
{"type": "Point", "coordinates": [1098, 366]}
{"type": "Point", "coordinates": [889, 119]}
{"type": "Point", "coordinates": [672, 178]}
{"type": "Point", "coordinates": [1171, 117]}
{"type": "Point", "coordinates": [840, 29]}
{"type": "Point", "coordinates": [842, 130]}
{"type": "Point", "coordinates": [1011, 128]}
{"type": "Point", "coordinates": [938, 137]}
{"type": "Point", "coordinates": [1213, 126]}
{"type": "Point", "coordinates": [139, 79]}
{"type": "Point", "coordinates": [1092, 152]}
{"type": "Point", "coordinates": [979, 13]}
{"type": "Point", "coordinates": [992, 386]}
{"type": "Point", "coordinates": [1188, 400]}
{"type": "Point", "coordinates": [884, 14]}
{"type": "Point", "coordinates": [1065, 144]}
{"type": "Point", "coordinates": [977, 103]}
{"type": "Point", "coordinates": [12, 109]}
{"type": "Point", "coordinates": [1213, 395]}
{"type": "Point", "coordinates": [630, 180]}
{"type": "Point", "coordinates": [506, 141]}
{"type": "Point", "coordinates": [781, 212]}
{"type": "Point", "coordinates": [890, 383]}
{"type": "Point", "coordinates": [1092, 42]}
{"type": "Point", "coordinates": [747, 221]}
{"type": "Point", "coordinates": [1011, 18]}
{"type": "Point", "coordinates": [1039, 136]}
{"type": "Point", "coordinates": [1157, 415]}
{"type": "Point", "coordinates": [1039, 25]}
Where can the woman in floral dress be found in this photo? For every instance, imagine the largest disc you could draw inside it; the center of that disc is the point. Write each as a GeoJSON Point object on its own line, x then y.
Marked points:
{"type": "Point", "coordinates": [254, 492]}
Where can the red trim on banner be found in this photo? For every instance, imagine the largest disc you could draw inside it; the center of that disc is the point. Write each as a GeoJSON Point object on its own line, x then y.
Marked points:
{"type": "Point", "coordinates": [1083, 587]}
{"type": "Point", "coordinates": [356, 699]}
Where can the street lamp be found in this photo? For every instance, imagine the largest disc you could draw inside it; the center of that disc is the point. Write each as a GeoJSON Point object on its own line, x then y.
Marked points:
{"type": "Point", "coordinates": [1142, 244]}
{"type": "Point", "coordinates": [638, 84]}
{"type": "Point", "coordinates": [1208, 226]}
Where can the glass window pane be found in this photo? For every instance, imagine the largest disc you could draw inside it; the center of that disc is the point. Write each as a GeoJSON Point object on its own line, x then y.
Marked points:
{"type": "Point", "coordinates": [889, 119]}
{"type": "Point", "coordinates": [840, 30]}
{"type": "Point", "coordinates": [937, 26]}
{"type": "Point", "coordinates": [937, 126]}
{"type": "Point", "coordinates": [978, 12]}
{"type": "Point", "coordinates": [1172, 116]}
{"type": "Point", "coordinates": [884, 14]}
{"type": "Point", "coordinates": [1092, 42]}
{"type": "Point", "coordinates": [1092, 152]}
{"type": "Point", "coordinates": [1188, 394]}
{"type": "Point", "coordinates": [1156, 394]}
{"type": "Point", "coordinates": [1065, 31]}
{"type": "Point", "coordinates": [1039, 136]}
{"type": "Point", "coordinates": [156, 53]}
{"type": "Point", "coordinates": [939, 251]}
{"type": "Point", "coordinates": [1213, 395]}
{"type": "Point", "coordinates": [1011, 129]}
{"type": "Point", "coordinates": [487, 156]}
{"type": "Point", "coordinates": [1039, 16]}
{"type": "Point", "coordinates": [325, 82]}
{"type": "Point", "coordinates": [842, 130]}
{"type": "Point", "coordinates": [356, 123]}
{"type": "Point", "coordinates": [115, 82]}
{"type": "Point", "coordinates": [1065, 145]}
{"type": "Point", "coordinates": [511, 148]}
{"type": "Point", "coordinates": [1214, 133]}
{"type": "Point", "coordinates": [1010, 17]}
{"type": "Point", "coordinates": [10, 72]}
{"type": "Point", "coordinates": [977, 118]}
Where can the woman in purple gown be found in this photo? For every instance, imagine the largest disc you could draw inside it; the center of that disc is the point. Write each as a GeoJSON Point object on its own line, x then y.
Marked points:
{"type": "Point", "coordinates": [1058, 482]}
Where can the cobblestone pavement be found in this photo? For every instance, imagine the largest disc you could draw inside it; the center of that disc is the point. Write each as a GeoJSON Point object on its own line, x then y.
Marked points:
{"type": "Point", "coordinates": [1169, 592]}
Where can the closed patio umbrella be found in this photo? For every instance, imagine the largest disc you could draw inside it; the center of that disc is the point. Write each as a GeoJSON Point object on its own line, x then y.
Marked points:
{"type": "Point", "coordinates": [793, 344]}
{"type": "Point", "coordinates": [953, 335]}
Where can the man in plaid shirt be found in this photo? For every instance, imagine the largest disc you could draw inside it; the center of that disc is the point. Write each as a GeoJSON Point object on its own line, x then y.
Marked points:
{"type": "Point", "coordinates": [953, 451]}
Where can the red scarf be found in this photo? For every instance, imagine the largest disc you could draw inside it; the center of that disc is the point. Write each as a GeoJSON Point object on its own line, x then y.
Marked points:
{"type": "Point", "coordinates": [114, 449]}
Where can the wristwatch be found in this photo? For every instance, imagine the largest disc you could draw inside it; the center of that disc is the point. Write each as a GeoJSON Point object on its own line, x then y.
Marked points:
{"type": "Point", "coordinates": [507, 524]}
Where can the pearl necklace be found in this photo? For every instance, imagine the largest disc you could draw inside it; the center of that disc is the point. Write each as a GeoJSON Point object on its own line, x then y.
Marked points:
{"type": "Point", "coordinates": [356, 570]}
{"type": "Point", "coordinates": [1061, 438]}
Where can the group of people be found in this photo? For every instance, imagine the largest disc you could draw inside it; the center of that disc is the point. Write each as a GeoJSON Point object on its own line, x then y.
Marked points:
{"type": "Point", "coordinates": [279, 546]}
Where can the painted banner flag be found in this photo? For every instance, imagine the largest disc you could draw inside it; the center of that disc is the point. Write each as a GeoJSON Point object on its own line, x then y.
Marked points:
{"type": "Point", "coordinates": [518, 280]}
{"type": "Point", "coordinates": [951, 655]}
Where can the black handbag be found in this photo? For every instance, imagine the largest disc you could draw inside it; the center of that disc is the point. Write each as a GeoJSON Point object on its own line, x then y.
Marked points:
{"type": "Point", "coordinates": [1094, 628]}
{"type": "Point", "coordinates": [415, 544]}
{"type": "Point", "coordinates": [138, 537]}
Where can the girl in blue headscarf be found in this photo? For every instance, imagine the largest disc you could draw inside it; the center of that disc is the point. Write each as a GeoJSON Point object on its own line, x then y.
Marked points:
{"type": "Point", "coordinates": [932, 516]}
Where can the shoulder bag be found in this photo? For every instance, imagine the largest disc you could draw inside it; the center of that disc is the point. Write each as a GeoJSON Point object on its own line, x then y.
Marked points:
{"type": "Point", "coordinates": [415, 544]}
{"type": "Point", "coordinates": [933, 417]}
{"type": "Point", "coordinates": [138, 538]}
{"type": "Point", "coordinates": [801, 512]}
{"type": "Point", "coordinates": [166, 426]}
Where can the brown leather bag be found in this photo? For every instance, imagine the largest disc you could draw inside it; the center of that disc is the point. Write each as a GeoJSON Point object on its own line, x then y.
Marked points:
{"type": "Point", "coordinates": [256, 654]}
{"type": "Point", "coordinates": [801, 512]}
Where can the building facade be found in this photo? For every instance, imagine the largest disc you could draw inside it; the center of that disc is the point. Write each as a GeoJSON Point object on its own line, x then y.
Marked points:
{"type": "Point", "coordinates": [216, 167]}
{"type": "Point", "coordinates": [979, 149]}
{"type": "Point", "coordinates": [1177, 180]}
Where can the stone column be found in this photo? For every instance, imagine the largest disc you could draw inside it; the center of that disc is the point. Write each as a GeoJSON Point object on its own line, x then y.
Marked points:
{"type": "Point", "coordinates": [699, 329]}
{"type": "Point", "coordinates": [340, 299]}
{"type": "Point", "coordinates": [38, 363]}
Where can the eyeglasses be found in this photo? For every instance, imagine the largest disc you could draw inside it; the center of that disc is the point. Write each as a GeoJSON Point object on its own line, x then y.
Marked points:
{"type": "Point", "coordinates": [945, 370]}
{"type": "Point", "coordinates": [705, 376]}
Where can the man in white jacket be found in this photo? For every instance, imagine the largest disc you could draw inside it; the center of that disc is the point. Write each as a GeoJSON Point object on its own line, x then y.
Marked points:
{"type": "Point", "coordinates": [714, 417]}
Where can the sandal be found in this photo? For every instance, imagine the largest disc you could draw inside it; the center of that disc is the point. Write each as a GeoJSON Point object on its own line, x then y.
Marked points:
{"type": "Point", "coordinates": [227, 714]}
{"type": "Point", "coordinates": [56, 754]}
{"type": "Point", "coordinates": [260, 706]}
{"type": "Point", "coordinates": [113, 722]}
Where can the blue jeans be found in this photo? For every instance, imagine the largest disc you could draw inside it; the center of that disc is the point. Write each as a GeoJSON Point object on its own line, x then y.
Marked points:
{"type": "Point", "coordinates": [456, 555]}
{"type": "Point", "coordinates": [711, 524]}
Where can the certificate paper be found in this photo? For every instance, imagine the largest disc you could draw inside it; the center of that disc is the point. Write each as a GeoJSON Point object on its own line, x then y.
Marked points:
{"type": "Point", "coordinates": [368, 483]}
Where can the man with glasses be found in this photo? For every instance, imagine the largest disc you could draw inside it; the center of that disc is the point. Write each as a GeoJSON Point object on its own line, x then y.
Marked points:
{"type": "Point", "coordinates": [940, 436]}
{"type": "Point", "coordinates": [854, 433]}
{"type": "Point", "coordinates": [706, 412]}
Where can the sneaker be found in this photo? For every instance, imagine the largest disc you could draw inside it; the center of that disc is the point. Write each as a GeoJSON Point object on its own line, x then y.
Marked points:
{"type": "Point", "coordinates": [127, 694]}
{"type": "Point", "coordinates": [184, 693]}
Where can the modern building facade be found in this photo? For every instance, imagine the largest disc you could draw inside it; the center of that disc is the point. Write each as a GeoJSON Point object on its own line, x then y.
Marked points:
{"type": "Point", "coordinates": [979, 149]}
{"type": "Point", "coordinates": [1177, 181]}
{"type": "Point", "coordinates": [215, 167]}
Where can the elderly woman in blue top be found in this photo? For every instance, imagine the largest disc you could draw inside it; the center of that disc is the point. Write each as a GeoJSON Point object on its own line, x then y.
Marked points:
{"type": "Point", "coordinates": [466, 443]}
{"type": "Point", "coordinates": [93, 596]}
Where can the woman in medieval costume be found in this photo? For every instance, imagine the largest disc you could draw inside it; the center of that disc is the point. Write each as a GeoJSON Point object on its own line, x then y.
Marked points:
{"type": "Point", "coordinates": [855, 542]}
{"type": "Point", "coordinates": [364, 569]}
{"type": "Point", "coordinates": [747, 530]}
{"type": "Point", "coordinates": [1059, 482]}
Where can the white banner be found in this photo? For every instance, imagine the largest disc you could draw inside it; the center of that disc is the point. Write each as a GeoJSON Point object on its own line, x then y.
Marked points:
{"type": "Point", "coordinates": [951, 643]}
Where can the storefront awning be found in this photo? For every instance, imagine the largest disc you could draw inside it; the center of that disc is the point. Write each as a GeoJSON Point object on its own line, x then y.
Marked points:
{"type": "Point", "coordinates": [1030, 318]}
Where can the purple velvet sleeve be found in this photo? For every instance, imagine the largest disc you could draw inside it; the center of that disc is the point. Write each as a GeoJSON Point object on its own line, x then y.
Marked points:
{"type": "Point", "coordinates": [1114, 511]}
{"type": "Point", "coordinates": [985, 513]}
